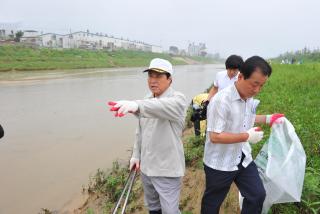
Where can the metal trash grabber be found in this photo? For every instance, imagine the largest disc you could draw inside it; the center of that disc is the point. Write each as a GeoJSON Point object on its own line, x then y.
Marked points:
{"type": "Point", "coordinates": [129, 183]}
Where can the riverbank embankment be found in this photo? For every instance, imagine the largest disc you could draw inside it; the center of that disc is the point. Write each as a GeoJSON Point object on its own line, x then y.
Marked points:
{"type": "Point", "coordinates": [23, 58]}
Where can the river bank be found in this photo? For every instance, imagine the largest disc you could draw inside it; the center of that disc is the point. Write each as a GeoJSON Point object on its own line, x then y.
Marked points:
{"type": "Point", "coordinates": [104, 188]}
{"type": "Point", "coordinates": [292, 89]}
{"type": "Point", "coordinates": [22, 58]}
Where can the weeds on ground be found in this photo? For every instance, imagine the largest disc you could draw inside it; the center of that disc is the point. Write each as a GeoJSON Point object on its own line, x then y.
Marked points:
{"type": "Point", "coordinates": [109, 184]}
{"type": "Point", "coordinates": [193, 150]}
{"type": "Point", "coordinates": [45, 211]}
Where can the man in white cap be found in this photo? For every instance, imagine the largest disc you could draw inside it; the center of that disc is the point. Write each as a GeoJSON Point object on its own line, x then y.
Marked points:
{"type": "Point", "coordinates": [158, 150]}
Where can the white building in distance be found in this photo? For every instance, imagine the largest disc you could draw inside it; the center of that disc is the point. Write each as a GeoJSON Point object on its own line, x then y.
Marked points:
{"type": "Point", "coordinates": [197, 50]}
{"type": "Point", "coordinates": [87, 40]}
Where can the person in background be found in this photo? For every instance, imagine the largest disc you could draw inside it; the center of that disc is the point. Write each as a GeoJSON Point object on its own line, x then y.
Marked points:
{"type": "Point", "coordinates": [158, 149]}
{"type": "Point", "coordinates": [223, 80]}
{"type": "Point", "coordinates": [199, 113]}
{"type": "Point", "coordinates": [227, 77]}
{"type": "Point", "coordinates": [1, 132]}
{"type": "Point", "coordinates": [227, 155]}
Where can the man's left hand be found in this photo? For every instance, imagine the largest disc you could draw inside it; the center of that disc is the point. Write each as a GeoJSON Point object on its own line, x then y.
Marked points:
{"type": "Point", "coordinates": [270, 119]}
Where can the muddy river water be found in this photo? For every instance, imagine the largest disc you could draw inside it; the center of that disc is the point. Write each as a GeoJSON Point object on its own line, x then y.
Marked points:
{"type": "Point", "coordinates": [58, 130]}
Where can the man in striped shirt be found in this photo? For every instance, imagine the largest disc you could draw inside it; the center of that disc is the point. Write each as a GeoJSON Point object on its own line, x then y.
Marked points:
{"type": "Point", "coordinates": [227, 155]}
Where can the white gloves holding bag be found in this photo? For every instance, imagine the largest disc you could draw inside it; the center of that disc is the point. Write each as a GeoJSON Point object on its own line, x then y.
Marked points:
{"type": "Point", "coordinates": [255, 135]}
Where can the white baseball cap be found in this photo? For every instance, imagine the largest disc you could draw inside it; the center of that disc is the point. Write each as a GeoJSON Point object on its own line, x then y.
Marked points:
{"type": "Point", "coordinates": [160, 65]}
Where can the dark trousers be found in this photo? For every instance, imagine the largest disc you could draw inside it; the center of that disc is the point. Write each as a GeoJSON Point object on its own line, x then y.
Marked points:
{"type": "Point", "coordinates": [218, 184]}
{"type": "Point", "coordinates": [197, 128]}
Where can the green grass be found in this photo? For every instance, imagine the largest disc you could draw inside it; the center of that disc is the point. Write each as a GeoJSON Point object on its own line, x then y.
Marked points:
{"type": "Point", "coordinates": [90, 211]}
{"type": "Point", "coordinates": [294, 90]}
{"type": "Point", "coordinates": [17, 57]}
{"type": "Point", "coordinates": [193, 150]}
{"type": "Point", "coordinates": [110, 184]}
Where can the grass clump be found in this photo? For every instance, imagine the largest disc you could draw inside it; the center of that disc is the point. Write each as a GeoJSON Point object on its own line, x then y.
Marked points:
{"type": "Point", "coordinates": [108, 186]}
{"type": "Point", "coordinates": [193, 150]}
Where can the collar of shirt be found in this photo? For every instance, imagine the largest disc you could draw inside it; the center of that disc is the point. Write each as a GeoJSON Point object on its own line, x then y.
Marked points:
{"type": "Point", "coordinates": [233, 78]}
{"type": "Point", "coordinates": [236, 95]}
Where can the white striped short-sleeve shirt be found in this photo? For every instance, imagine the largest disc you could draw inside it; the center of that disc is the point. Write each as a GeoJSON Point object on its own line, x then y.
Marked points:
{"type": "Point", "coordinates": [227, 112]}
{"type": "Point", "coordinates": [223, 80]}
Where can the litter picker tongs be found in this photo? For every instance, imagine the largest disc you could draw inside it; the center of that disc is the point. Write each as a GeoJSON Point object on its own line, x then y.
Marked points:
{"type": "Point", "coordinates": [127, 189]}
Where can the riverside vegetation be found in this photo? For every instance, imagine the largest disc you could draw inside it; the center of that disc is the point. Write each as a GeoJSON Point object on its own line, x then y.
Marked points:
{"type": "Point", "coordinates": [19, 57]}
{"type": "Point", "coordinates": [293, 90]}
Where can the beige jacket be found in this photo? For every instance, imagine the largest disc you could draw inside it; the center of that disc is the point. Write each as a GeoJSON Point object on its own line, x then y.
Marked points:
{"type": "Point", "coordinates": [158, 142]}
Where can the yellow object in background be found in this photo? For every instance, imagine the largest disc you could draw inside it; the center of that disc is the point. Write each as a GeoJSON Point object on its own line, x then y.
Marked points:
{"type": "Point", "coordinates": [203, 127]}
{"type": "Point", "coordinates": [198, 99]}
{"type": "Point", "coordinates": [197, 102]}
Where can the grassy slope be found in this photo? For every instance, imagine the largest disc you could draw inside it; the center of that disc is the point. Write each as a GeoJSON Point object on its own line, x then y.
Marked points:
{"type": "Point", "coordinates": [294, 90]}
{"type": "Point", "coordinates": [26, 58]}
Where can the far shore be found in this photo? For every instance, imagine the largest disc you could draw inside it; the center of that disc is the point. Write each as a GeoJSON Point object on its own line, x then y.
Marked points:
{"type": "Point", "coordinates": [20, 58]}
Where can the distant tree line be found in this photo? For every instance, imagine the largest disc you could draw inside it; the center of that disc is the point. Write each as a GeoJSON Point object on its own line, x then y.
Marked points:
{"type": "Point", "coordinates": [16, 36]}
{"type": "Point", "coordinates": [300, 56]}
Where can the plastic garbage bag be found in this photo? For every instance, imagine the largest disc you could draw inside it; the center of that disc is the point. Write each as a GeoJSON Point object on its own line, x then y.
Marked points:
{"type": "Point", "coordinates": [281, 165]}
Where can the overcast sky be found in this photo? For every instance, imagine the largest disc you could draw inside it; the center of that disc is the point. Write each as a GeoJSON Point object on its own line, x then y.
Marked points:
{"type": "Point", "coordinates": [245, 27]}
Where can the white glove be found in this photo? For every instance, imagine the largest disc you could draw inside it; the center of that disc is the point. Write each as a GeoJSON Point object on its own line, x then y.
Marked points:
{"type": "Point", "coordinates": [126, 106]}
{"type": "Point", "coordinates": [255, 135]}
{"type": "Point", "coordinates": [134, 162]}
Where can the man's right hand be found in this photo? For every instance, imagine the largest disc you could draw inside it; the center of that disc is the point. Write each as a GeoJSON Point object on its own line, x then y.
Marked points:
{"type": "Point", "coordinates": [255, 135]}
{"type": "Point", "coordinates": [123, 107]}
{"type": "Point", "coordinates": [135, 164]}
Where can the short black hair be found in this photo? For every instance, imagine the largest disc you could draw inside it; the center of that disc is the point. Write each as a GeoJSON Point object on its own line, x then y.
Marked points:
{"type": "Point", "coordinates": [234, 62]}
{"type": "Point", "coordinates": [252, 64]}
